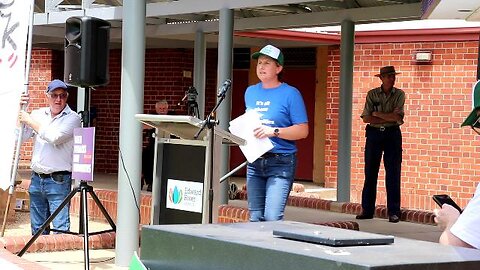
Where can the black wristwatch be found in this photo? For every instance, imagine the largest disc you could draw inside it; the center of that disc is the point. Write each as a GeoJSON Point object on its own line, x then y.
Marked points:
{"type": "Point", "coordinates": [276, 132]}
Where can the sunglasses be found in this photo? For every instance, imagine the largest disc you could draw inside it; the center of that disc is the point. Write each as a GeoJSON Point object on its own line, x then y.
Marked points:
{"type": "Point", "coordinates": [61, 96]}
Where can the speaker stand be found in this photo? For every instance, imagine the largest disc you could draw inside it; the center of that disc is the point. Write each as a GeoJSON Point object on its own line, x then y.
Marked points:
{"type": "Point", "coordinates": [83, 188]}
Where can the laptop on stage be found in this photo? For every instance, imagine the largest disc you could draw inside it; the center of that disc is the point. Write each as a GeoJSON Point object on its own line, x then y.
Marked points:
{"type": "Point", "coordinates": [332, 236]}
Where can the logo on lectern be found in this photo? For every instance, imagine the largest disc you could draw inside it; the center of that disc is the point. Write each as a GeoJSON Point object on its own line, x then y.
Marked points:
{"type": "Point", "coordinates": [175, 196]}
{"type": "Point", "coordinates": [185, 195]}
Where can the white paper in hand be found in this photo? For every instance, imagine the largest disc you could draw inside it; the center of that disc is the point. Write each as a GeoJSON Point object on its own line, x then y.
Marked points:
{"type": "Point", "coordinates": [243, 127]}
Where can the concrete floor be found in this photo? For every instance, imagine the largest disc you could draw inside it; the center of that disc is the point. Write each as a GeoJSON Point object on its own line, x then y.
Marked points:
{"type": "Point", "coordinates": [104, 259]}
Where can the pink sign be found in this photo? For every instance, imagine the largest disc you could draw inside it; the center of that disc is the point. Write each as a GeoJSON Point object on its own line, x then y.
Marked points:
{"type": "Point", "coordinates": [83, 149]}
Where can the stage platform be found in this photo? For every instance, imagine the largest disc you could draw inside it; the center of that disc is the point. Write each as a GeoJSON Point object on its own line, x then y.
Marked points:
{"type": "Point", "coordinates": [251, 246]}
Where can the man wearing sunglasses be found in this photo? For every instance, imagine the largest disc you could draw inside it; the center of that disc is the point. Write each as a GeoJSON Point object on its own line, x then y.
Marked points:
{"type": "Point", "coordinates": [52, 129]}
{"type": "Point", "coordinates": [463, 229]}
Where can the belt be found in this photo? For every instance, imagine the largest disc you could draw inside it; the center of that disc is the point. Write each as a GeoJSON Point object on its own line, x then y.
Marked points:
{"type": "Point", "coordinates": [382, 128]}
{"type": "Point", "coordinates": [51, 175]}
{"type": "Point", "coordinates": [270, 154]}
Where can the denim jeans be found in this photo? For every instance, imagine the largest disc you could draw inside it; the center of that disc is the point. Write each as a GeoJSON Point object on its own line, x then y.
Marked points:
{"type": "Point", "coordinates": [269, 181]}
{"type": "Point", "coordinates": [46, 194]}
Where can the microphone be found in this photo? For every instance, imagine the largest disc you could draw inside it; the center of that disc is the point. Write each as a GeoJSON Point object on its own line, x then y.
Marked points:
{"type": "Point", "coordinates": [224, 88]}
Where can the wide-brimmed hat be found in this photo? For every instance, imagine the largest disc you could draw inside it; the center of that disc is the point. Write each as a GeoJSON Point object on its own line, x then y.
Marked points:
{"type": "Point", "coordinates": [55, 84]}
{"type": "Point", "coordinates": [387, 70]}
{"type": "Point", "coordinates": [270, 51]}
{"type": "Point", "coordinates": [472, 117]}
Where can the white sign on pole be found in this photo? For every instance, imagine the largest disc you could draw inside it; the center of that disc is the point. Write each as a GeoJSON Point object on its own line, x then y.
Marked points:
{"type": "Point", "coordinates": [14, 20]}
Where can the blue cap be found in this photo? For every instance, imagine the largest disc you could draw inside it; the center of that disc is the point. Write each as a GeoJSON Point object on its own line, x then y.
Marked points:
{"type": "Point", "coordinates": [55, 84]}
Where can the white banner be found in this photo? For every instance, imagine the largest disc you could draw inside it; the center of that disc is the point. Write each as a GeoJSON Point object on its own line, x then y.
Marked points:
{"type": "Point", "coordinates": [14, 19]}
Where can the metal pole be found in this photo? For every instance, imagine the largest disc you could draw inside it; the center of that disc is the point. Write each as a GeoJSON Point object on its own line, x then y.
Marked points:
{"type": "Point", "coordinates": [225, 66]}
{"type": "Point", "coordinates": [345, 112]}
{"type": "Point", "coordinates": [199, 70]}
{"type": "Point", "coordinates": [20, 132]}
{"type": "Point", "coordinates": [223, 178]}
{"type": "Point", "coordinates": [130, 139]}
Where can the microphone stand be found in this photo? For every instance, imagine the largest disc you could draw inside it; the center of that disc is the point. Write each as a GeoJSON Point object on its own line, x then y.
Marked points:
{"type": "Point", "coordinates": [210, 123]}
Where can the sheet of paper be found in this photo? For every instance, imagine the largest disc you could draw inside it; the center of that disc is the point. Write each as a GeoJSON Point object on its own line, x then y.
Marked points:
{"type": "Point", "coordinates": [243, 127]}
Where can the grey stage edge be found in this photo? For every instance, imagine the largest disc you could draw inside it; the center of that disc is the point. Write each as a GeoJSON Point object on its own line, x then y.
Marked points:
{"type": "Point", "coordinates": [253, 246]}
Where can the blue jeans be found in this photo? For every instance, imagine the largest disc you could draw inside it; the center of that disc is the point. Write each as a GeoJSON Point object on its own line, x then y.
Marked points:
{"type": "Point", "coordinates": [46, 194]}
{"type": "Point", "coordinates": [269, 180]}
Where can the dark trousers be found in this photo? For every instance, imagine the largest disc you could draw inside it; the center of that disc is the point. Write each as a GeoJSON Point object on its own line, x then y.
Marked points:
{"type": "Point", "coordinates": [388, 142]}
{"type": "Point", "coordinates": [148, 154]}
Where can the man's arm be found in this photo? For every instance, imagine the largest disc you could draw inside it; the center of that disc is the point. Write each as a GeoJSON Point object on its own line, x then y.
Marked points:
{"type": "Point", "coordinates": [55, 135]}
{"type": "Point", "coordinates": [448, 238]}
{"type": "Point", "coordinates": [370, 119]}
{"type": "Point", "coordinates": [394, 116]}
{"type": "Point", "coordinates": [445, 218]}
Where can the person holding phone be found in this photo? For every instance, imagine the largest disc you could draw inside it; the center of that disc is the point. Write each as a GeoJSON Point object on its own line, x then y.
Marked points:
{"type": "Point", "coordinates": [463, 229]}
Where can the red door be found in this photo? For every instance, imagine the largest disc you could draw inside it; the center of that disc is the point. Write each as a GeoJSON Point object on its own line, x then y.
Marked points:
{"type": "Point", "coordinates": [304, 81]}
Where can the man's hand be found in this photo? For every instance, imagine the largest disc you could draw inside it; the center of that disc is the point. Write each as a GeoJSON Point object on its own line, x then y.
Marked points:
{"type": "Point", "coordinates": [24, 99]}
{"type": "Point", "coordinates": [24, 117]}
{"type": "Point", "coordinates": [447, 216]}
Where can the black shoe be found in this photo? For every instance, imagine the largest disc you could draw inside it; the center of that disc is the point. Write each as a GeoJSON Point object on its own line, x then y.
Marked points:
{"type": "Point", "coordinates": [364, 216]}
{"type": "Point", "coordinates": [393, 219]}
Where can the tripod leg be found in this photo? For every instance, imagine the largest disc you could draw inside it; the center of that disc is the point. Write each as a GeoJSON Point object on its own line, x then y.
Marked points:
{"type": "Point", "coordinates": [102, 208]}
{"type": "Point", "coordinates": [80, 221]}
{"type": "Point", "coordinates": [47, 222]}
{"type": "Point", "coordinates": [86, 256]}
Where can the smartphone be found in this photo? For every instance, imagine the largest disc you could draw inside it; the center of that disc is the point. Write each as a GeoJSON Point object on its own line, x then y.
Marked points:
{"type": "Point", "coordinates": [440, 199]}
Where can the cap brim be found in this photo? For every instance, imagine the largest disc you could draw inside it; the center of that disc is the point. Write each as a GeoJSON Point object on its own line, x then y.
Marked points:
{"type": "Point", "coordinates": [256, 55]}
{"type": "Point", "coordinates": [470, 120]}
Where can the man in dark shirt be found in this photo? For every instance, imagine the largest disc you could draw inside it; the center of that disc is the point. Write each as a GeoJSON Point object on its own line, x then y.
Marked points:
{"type": "Point", "coordinates": [383, 114]}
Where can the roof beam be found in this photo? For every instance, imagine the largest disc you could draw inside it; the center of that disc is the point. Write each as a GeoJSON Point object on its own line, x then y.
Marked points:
{"type": "Point", "coordinates": [163, 9]}
{"type": "Point", "coordinates": [326, 18]}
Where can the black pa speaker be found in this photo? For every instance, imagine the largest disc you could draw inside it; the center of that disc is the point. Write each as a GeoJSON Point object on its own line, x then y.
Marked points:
{"type": "Point", "coordinates": [86, 51]}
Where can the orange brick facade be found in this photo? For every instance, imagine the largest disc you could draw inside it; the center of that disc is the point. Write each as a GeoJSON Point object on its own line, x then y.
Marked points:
{"type": "Point", "coordinates": [439, 156]}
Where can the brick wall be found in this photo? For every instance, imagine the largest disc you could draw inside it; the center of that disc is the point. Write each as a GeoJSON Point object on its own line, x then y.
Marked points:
{"type": "Point", "coordinates": [438, 155]}
{"type": "Point", "coordinates": [164, 79]}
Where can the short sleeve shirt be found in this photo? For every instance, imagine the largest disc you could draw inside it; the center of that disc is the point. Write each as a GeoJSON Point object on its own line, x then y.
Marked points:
{"type": "Point", "coordinates": [378, 101]}
{"type": "Point", "coordinates": [467, 226]}
{"type": "Point", "coordinates": [281, 106]}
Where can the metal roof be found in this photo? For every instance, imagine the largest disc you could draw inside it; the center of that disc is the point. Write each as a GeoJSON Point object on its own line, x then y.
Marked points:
{"type": "Point", "coordinates": [173, 23]}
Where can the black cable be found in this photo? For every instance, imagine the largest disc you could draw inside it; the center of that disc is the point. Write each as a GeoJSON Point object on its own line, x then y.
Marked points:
{"type": "Point", "coordinates": [129, 182]}
{"type": "Point", "coordinates": [110, 110]}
